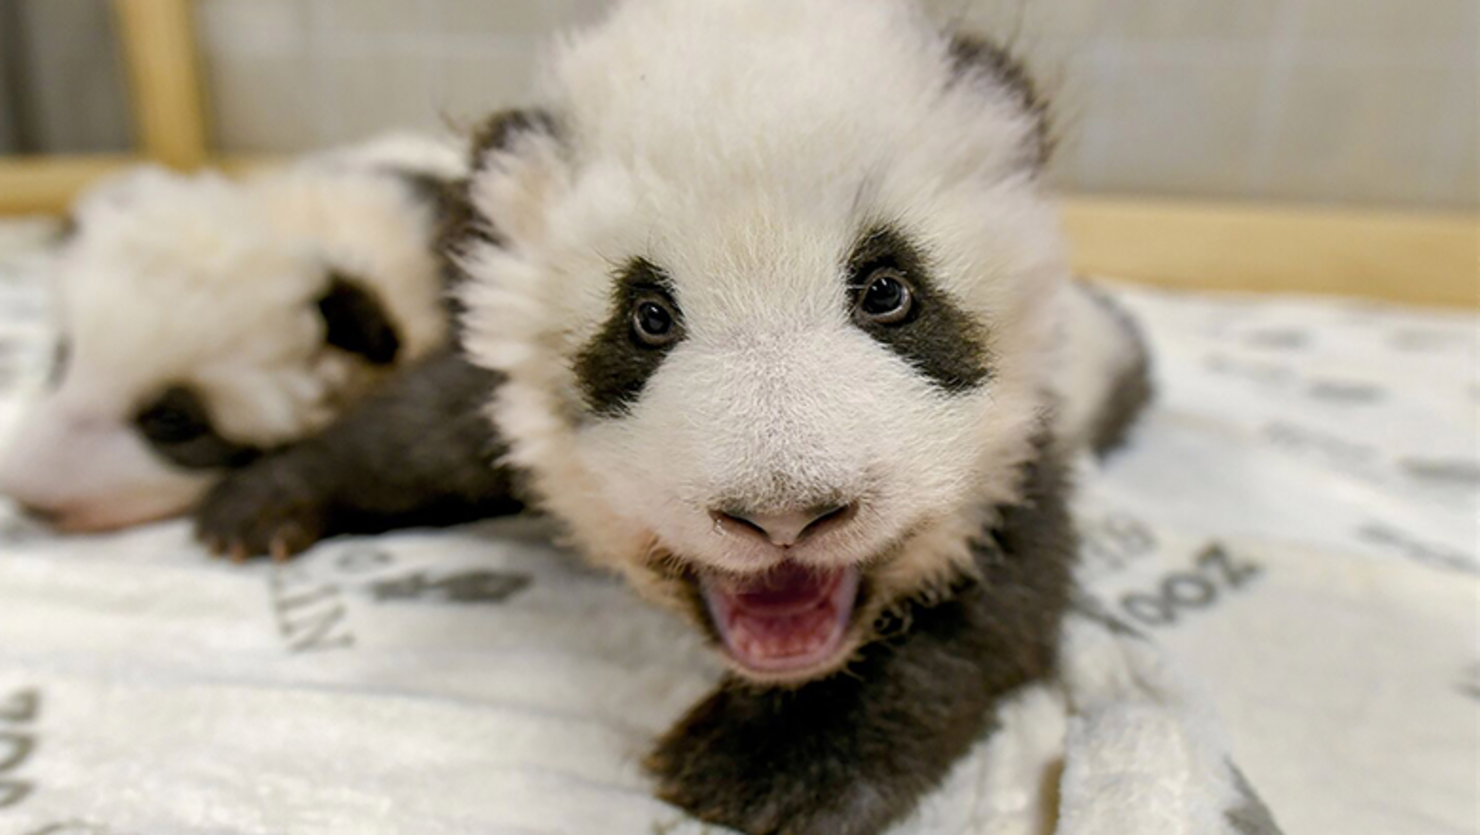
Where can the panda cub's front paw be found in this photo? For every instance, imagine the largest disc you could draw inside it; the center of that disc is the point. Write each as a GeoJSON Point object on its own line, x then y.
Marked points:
{"type": "Point", "coordinates": [263, 509]}
{"type": "Point", "coordinates": [748, 761]}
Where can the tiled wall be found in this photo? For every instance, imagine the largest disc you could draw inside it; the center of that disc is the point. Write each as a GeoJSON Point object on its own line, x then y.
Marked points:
{"type": "Point", "coordinates": [1356, 101]}
{"type": "Point", "coordinates": [61, 78]}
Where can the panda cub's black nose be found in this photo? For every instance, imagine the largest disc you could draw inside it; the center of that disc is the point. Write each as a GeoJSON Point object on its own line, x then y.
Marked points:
{"type": "Point", "coordinates": [784, 528]}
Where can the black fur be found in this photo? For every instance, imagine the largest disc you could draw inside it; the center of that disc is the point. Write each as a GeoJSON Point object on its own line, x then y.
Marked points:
{"type": "Point", "coordinates": [972, 55]}
{"type": "Point", "coordinates": [457, 225]}
{"type": "Point", "coordinates": [614, 366]}
{"type": "Point", "coordinates": [1132, 391]}
{"type": "Point", "coordinates": [427, 189]}
{"type": "Point", "coordinates": [177, 426]}
{"type": "Point", "coordinates": [420, 451]}
{"type": "Point", "coordinates": [461, 226]}
{"type": "Point", "coordinates": [461, 222]}
{"type": "Point", "coordinates": [853, 753]}
{"type": "Point", "coordinates": [356, 321]}
{"type": "Point", "coordinates": [937, 337]}
{"type": "Point", "coordinates": [503, 129]}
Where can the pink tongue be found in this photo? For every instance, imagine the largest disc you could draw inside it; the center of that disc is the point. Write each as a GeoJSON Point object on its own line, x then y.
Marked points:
{"type": "Point", "coordinates": [792, 618]}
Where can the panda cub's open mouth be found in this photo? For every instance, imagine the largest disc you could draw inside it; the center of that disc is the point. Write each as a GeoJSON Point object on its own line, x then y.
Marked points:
{"type": "Point", "coordinates": [792, 619]}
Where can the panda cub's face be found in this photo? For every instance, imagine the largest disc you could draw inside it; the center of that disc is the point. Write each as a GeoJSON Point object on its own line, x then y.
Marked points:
{"type": "Point", "coordinates": [193, 335]}
{"type": "Point", "coordinates": [773, 359]}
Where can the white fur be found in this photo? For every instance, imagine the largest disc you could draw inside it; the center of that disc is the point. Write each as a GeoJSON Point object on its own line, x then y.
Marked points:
{"type": "Point", "coordinates": [743, 145]}
{"type": "Point", "coordinates": [440, 156]}
{"type": "Point", "coordinates": [197, 280]}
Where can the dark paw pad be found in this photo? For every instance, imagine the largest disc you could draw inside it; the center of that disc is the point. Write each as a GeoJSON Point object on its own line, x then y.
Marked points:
{"type": "Point", "coordinates": [260, 510]}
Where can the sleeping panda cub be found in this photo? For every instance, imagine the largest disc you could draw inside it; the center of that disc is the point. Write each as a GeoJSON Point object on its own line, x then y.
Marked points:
{"type": "Point", "coordinates": [768, 306]}
{"type": "Point", "coordinates": [203, 321]}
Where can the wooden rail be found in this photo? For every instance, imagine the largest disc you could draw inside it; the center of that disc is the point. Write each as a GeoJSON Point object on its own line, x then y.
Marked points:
{"type": "Point", "coordinates": [164, 79]}
{"type": "Point", "coordinates": [1415, 258]}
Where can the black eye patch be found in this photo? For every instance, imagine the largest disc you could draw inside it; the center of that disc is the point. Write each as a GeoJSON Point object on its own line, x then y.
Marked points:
{"type": "Point", "coordinates": [615, 364]}
{"type": "Point", "coordinates": [936, 337]}
{"type": "Point", "coordinates": [178, 427]}
{"type": "Point", "coordinates": [355, 321]}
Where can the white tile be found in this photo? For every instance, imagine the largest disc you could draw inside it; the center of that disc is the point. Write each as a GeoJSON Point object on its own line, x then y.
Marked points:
{"type": "Point", "coordinates": [475, 87]}
{"type": "Point", "coordinates": [1172, 128]}
{"type": "Point", "coordinates": [379, 17]}
{"type": "Point", "coordinates": [508, 17]}
{"type": "Point", "coordinates": [252, 27]}
{"type": "Point", "coordinates": [1354, 134]}
{"type": "Point", "coordinates": [261, 105]}
{"type": "Point", "coordinates": [1193, 20]}
{"type": "Point", "coordinates": [1381, 25]}
{"type": "Point", "coordinates": [371, 94]}
{"type": "Point", "coordinates": [1163, 96]}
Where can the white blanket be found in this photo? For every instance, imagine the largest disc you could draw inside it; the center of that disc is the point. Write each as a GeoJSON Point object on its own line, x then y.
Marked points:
{"type": "Point", "coordinates": [1295, 523]}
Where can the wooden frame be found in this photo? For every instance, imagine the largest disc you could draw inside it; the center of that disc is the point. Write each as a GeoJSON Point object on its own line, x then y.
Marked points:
{"type": "Point", "coordinates": [1413, 258]}
{"type": "Point", "coordinates": [166, 104]}
{"type": "Point", "coordinates": [164, 75]}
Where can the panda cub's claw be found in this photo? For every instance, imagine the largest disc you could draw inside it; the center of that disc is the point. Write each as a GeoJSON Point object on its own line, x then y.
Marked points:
{"type": "Point", "coordinates": [280, 550]}
{"type": "Point", "coordinates": [259, 511]}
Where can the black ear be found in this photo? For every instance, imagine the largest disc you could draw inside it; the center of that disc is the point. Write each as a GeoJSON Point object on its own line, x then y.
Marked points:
{"type": "Point", "coordinates": [503, 130]}
{"type": "Point", "coordinates": [974, 57]}
{"type": "Point", "coordinates": [501, 133]}
{"type": "Point", "coordinates": [355, 321]}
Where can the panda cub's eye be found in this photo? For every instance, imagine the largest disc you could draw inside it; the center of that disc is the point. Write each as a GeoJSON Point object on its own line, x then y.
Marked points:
{"type": "Point", "coordinates": [654, 320]}
{"type": "Point", "coordinates": [886, 298]}
{"type": "Point", "coordinates": [178, 428]}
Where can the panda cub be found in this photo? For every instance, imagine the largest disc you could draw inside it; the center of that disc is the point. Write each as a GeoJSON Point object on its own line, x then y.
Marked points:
{"type": "Point", "coordinates": [768, 306]}
{"type": "Point", "coordinates": [204, 321]}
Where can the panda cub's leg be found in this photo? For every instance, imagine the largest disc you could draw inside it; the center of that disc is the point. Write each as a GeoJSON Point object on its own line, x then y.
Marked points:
{"type": "Point", "coordinates": [853, 753]}
{"type": "Point", "coordinates": [418, 452]}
